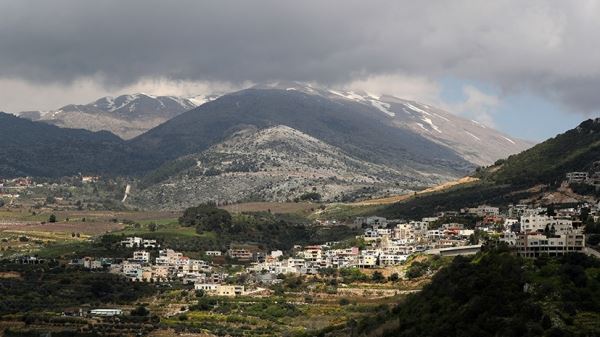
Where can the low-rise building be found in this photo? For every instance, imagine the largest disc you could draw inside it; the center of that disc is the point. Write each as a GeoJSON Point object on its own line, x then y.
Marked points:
{"type": "Point", "coordinates": [577, 177]}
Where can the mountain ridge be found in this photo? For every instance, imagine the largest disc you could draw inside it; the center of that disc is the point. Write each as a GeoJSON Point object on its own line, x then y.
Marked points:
{"type": "Point", "coordinates": [126, 115]}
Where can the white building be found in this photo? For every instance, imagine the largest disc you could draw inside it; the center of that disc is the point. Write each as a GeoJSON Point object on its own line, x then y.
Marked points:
{"type": "Point", "coordinates": [141, 256]}
{"type": "Point", "coordinates": [577, 177]}
{"type": "Point", "coordinates": [137, 242]}
{"type": "Point", "coordinates": [484, 210]}
{"type": "Point", "coordinates": [539, 223]}
{"type": "Point", "coordinates": [106, 312]}
{"type": "Point", "coordinates": [534, 245]}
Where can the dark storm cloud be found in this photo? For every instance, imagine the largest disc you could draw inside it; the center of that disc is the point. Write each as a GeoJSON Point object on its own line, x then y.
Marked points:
{"type": "Point", "coordinates": [545, 47]}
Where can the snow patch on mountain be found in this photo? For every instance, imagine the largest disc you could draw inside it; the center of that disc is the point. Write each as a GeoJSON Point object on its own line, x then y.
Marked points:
{"type": "Point", "coordinates": [510, 140]}
{"type": "Point", "coordinates": [428, 121]}
{"type": "Point", "coordinates": [384, 107]}
{"type": "Point", "coordinates": [472, 135]}
{"type": "Point", "coordinates": [412, 107]}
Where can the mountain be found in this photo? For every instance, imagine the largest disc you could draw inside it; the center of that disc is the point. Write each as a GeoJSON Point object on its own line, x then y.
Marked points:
{"type": "Point", "coordinates": [277, 163]}
{"type": "Point", "coordinates": [474, 141]}
{"type": "Point", "coordinates": [367, 128]}
{"type": "Point", "coordinates": [127, 115]}
{"type": "Point", "coordinates": [277, 141]}
{"type": "Point", "coordinates": [38, 149]}
{"type": "Point", "coordinates": [535, 175]}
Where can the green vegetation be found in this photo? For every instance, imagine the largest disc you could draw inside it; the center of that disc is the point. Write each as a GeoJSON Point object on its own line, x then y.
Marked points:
{"type": "Point", "coordinates": [165, 171]}
{"type": "Point", "coordinates": [547, 162]}
{"type": "Point", "coordinates": [42, 150]}
{"type": "Point", "coordinates": [217, 229]}
{"type": "Point", "coordinates": [310, 196]}
{"type": "Point", "coordinates": [455, 198]}
{"type": "Point", "coordinates": [50, 287]}
{"type": "Point", "coordinates": [498, 294]}
{"type": "Point", "coordinates": [508, 180]}
{"type": "Point", "coordinates": [207, 218]}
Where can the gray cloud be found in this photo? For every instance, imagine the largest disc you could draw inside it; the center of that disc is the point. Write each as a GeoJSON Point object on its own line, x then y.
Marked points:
{"type": "Point", "coordinates": [546, 47]}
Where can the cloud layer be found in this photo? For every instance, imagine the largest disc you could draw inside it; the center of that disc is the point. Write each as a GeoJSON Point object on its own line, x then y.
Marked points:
{"type": "Point", "coordinates": [545, 47]}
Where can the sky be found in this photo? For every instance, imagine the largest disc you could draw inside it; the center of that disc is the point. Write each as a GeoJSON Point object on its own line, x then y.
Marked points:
{"type": "Point", "coordinates": [528, 68]}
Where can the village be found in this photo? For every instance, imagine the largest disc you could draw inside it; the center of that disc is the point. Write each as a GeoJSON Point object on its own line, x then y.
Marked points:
{"type": "Point", "coordinates": [384, 250]}
{"type": "Point", "coordinates": [385, 243]}
{"type": "Point", "coordinates": [185, 274]}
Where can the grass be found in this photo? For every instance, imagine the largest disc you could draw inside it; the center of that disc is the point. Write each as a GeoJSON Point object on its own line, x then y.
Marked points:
{"type": "Point", "coordinates": [63, 249]}
{"type": "Point", "coordinates": [249, 316]}
{"type": "Point", "coordinates": [166, 230]}
{"type": "Point", "coordinates": [339, 211]}
{"type": "Point", "coordinates": [274, 207]}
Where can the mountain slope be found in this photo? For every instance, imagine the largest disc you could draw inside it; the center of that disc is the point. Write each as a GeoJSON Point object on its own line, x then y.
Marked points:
{"type": "Point", "coordinates": [474, 141]}
{"type": "Point", "coordinates": [38, 149]}
{"type": "Point", "coordinates": [497, 294]}
{"type": "Point", "coordinates": [127, 115]}
{"type": "Point", "coordinates": [358, 129]}
{"type": "Point", "coordinates": [531, 174]}
{"type": "Point", "coordinates": [277, 163]}
{"type": "Point", "coordinates": [548, 162]}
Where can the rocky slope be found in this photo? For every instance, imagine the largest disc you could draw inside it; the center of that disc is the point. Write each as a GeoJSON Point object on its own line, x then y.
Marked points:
{"type": "Point", "coordinates": [277, 163]}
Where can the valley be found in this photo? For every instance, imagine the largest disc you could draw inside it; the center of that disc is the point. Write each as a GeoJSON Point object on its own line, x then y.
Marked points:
{"type": "Point", "coordinates": [238, 218]}
{"type": "Point", "coordinates": [299, 168]}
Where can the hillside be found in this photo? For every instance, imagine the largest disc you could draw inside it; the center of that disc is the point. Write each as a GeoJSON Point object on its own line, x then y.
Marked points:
{"type": "Point", "coordinates": [126, 116]}
{"type": "Point", "coordinates": [497, 294]}
{"type": "Point", "coordinates": [363, 128]}
{"type": "Point", "coordinates": [278, 163]}
{"type": "Point", "coordinates": [367, 145]}
{"type": "Point", "coordinates": [38, 149]}
{"type": "Point", "coordinates": [548, 162]}
{"type": "Point", "coordinates": [530, 174]}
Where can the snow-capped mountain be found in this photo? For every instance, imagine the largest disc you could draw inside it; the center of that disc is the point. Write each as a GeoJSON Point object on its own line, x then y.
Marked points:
{"type": "Point", "coordinates": [278, 140]}
{"type": "Point", "coordinates": [126, 115]}
{"type": "Point", "coordinates": [477, 143]}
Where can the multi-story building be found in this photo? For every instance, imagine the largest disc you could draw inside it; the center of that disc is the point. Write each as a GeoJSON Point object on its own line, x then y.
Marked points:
{"type": "Point", "coordinates": [539, 223]}
{"type": "Point", "coordinates": [484, 210]}
{"type": "Point", "coordinates": [141, 256]}
{"type": "Point", "coordinates": [534, 245]}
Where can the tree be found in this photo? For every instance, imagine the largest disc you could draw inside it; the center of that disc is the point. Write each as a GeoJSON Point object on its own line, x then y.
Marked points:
{"type": "Point", "coordinates": [344, 301]}
{"type": "Point", "coordinates": [140, 311]}
{"type": "Point", "coordinates": [394, 277]}
{"type": "Point", "coordinates": [152, 227]}
{"type": "Point", "coordinates": [310, 196]}
{"type": "Point", "coordinates": [378, 277]}
{"type": "Point", "coordinates": [52, 218]}
{"type": "Point", "coordinates": [1, 202]}
{"type": "Point", "coordinates": [416, 269]}
{"type": "Point", "coordinates": [206, 218]}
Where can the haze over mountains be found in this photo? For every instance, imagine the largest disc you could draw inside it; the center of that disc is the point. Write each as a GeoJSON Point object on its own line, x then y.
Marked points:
{"type": "Point", "coordinates": [275, 141]}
